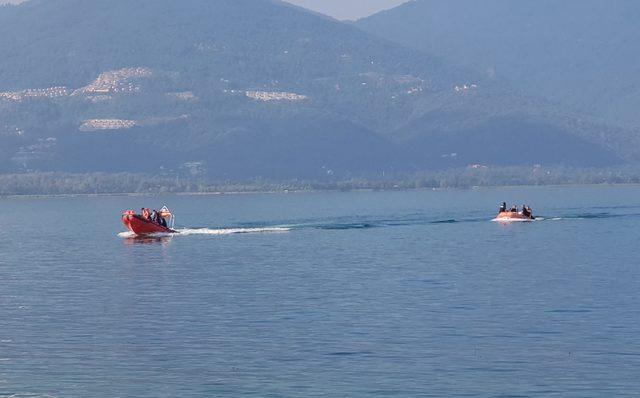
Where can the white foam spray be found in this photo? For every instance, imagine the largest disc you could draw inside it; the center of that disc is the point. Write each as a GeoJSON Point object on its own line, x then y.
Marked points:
{"type": "Point", "coordinates": [210, 231]}
{"type": "Point", "coordinates": [231, 231]}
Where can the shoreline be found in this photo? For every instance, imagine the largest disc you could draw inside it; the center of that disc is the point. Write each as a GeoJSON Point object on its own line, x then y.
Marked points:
{"type": "Point", "coordinates": [56, 184]}
{"type": "Point", "coordinates": [306, 191]}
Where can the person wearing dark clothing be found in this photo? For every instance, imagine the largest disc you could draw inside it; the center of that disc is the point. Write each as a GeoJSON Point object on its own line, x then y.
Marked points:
{"type": "Point", "coordinates": [154, 217]}
{"type": "Point", "coordinates": [514, 209]}
{"type": "Point", "coordinates": [503, 207]}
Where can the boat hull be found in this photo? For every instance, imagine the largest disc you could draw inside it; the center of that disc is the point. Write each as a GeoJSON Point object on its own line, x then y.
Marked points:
{"type": "Point", "coordinates": [509, 216]}
{"type": "Point", "coordinates": [140, 226]}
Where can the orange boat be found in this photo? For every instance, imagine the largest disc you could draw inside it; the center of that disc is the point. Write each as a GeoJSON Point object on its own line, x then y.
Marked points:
{"type": "Point", "coordinates": [511, 216]}
{"type": "Point", "coordinates": [141, 225]}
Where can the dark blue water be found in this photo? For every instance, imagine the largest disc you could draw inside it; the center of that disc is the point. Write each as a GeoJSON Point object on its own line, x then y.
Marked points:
{"type": "Point", "coordinates": [396, 294]}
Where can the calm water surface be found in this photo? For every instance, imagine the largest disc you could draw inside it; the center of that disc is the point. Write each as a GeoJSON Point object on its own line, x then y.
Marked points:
{"type": "Point", "coordinates": [396, 294]}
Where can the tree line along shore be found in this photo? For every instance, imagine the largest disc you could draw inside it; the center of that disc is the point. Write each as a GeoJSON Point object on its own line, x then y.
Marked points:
{"type": "Point", "coordinates": [53, 183]}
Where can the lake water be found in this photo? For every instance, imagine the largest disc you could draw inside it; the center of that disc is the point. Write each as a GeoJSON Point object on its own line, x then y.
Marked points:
{"type": "Point", "coordinates": [362, 294]}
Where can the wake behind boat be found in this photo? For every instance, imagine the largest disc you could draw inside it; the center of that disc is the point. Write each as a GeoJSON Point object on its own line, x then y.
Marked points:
{"type": "Point", "coordinates": [149, 222]}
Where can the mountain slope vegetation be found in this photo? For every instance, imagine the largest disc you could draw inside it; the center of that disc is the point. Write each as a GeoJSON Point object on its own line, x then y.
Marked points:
{"type": "Point", "coordinates": [581, 54]}
{"type": "Point", "coordinates": [237, 89]}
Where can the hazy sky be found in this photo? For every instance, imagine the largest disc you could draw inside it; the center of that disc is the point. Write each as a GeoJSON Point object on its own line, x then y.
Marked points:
{"type": "Point", "coordinates": [348, 9]}
{"type": "Point", "coordinates": [340, 9]}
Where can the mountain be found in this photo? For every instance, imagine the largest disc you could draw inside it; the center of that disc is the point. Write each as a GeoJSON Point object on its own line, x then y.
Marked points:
{"type": "Point", "coordinates": [581, 54]}
{"type": "Point", "coordinates": [235, 89]}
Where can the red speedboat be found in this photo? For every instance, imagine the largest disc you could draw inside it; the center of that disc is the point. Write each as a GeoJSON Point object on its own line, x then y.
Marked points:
{"type": "Point", "coordinates": [142, 225]}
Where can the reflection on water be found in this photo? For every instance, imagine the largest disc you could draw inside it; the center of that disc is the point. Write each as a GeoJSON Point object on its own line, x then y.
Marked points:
{"type": "Point", "coordinates": [148, 240]}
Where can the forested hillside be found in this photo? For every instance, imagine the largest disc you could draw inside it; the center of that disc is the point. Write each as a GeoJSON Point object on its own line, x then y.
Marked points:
{"type": "Point", "coordinates": [580, 54]}
{"type": "Point", "coordinates": [236, 89]}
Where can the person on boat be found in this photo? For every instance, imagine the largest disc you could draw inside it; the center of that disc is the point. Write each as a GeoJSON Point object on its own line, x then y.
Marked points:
{"type": "Point", "coordinates": [162, 221]}
{"type": "Point", "coordinates": [145, 214]}
{"type": "Point", "coordinates": [155, 217]}
{"type": "Point", "coordinates": [503, 207]}
{"type": "Point", "coordinates": [525, 211]}
{"type": "Point", "coordinates": [514, 209]}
